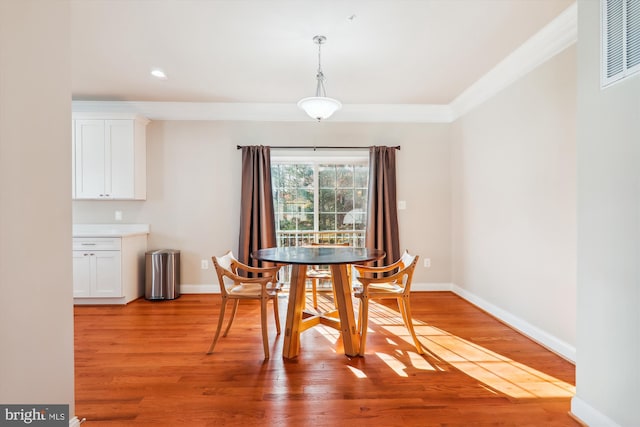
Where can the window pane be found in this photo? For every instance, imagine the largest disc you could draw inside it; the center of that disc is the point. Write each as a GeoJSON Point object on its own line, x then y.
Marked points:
{"type": "Point", "coordinates": [305, 197]}
{"type": "Point", "coordinates": [344, 175]}
{"type": "Point", "coordinates": [344, 200]}
{"type": "Point", "coordinates": [277, 200]}
{"type": "Point", "coordinates": [327, 200]}
{"type": "Point", "coordinates": [288, 197]}
{"type": "Point", "coordinates": [306, 222]}
{"type": "Point", "coordinates": [352, 220]}
{"type": "Point", "coordinates": [295, 176]}
{"type": "Point", "coordinates": [327, 222]}
{"type": "Point", "coordinates": [285, 223]}
{"type": "Point", "coordinates": [360, 199]}
{"type": "Point", "coordinates": [275, 176]}
{"type": "Point", "coordinates": [327, 176]}
{"type": "Point", "coordinates": [361, 176]}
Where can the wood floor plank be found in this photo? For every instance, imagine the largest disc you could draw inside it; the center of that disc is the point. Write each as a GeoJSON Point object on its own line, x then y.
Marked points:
{"type": "Point", "coordinates": [145, 364]}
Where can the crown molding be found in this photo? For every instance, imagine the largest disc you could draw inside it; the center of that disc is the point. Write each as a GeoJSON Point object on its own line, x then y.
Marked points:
{"type": "Point", "coordinates": [402, 113]}
{"type": "Point", "coordinates": [556, 36]}
{"type": "Point", "coordinates": [552, 39]}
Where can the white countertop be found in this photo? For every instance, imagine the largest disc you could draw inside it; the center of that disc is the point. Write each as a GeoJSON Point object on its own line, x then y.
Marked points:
{"type": "Point", "coordinates": [109, 230]}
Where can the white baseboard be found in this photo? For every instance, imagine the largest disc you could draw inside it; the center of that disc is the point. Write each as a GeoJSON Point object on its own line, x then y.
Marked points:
{"type": "Point", "coordinates": [588, 415]}
{"type": "Point", "coordinates": [541, 337]}
{"type": "Point", "coordinates": [199, 289]}
{"type": "Point", "coordinates": [430, 287]}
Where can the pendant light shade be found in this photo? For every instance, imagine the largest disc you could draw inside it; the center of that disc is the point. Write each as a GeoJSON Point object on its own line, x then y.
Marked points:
{"type": "Point", "coordinates": [319, 107]}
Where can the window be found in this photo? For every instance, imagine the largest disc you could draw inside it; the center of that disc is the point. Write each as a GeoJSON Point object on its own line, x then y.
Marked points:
{"type": "Point", "coordinates": [320, 199]}
{"type": "Point", "coordinates": [620, 20]}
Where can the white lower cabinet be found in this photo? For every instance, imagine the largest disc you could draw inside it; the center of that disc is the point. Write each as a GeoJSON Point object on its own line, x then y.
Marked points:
{"type": "Point", "coordinates": [108, 270]}
{"type": "Point", "coordinates": [97, 274]}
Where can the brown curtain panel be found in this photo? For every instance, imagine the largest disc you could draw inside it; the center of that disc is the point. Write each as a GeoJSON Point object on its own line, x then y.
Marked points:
{"type": "Point", "coordinates": [382, 214]}
{"type": "Point", "coordinates": [257, 220]}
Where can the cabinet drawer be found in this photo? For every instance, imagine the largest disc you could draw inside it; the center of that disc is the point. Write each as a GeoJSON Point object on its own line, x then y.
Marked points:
{"type": "Point", "coordinates": [96, 243]}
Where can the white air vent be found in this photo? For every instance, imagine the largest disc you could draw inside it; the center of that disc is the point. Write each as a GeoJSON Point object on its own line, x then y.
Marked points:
{"type": "Point", "coordinates": [620, 39]}
{"type": "Point", "coordinates": [633, 33]}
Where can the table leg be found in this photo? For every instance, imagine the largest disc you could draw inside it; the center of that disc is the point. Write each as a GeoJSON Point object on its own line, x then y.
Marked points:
{"type": "Point", "coordinates": [350, 335]}
{"type": "Point", "coordinates": [291, 345]}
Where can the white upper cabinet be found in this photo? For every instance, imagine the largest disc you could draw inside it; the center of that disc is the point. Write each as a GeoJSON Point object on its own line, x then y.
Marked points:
{"type": "Point", "coordinates": [109, 156]}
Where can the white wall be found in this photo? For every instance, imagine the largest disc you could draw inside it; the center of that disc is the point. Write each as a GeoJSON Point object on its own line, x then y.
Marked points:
{"type": "Point", "coordinates": [514, 195]}
{"type": "Point", "coordinates": [193, 185]}
{"type": "Point", "coordinates": [608, 343]}
{"type": "Point", "coordinates": [36, 311]}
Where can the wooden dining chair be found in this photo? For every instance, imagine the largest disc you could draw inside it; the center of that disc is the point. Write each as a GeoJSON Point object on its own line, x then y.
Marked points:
{"type": "Point", "coordinates": [317, 273]}
{"type": "Point", "coordinates": [235, 287]}
{"type": "Point", "coordinates": [396, 286]}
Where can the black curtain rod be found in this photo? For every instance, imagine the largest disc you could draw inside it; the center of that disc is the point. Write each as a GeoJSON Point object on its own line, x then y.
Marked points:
{"type": "Point", "coordinates": [314, 147]}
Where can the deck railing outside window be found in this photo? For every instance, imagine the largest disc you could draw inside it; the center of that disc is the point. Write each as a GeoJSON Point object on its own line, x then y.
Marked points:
{"type": "Point", "coordinates": [355, 238]}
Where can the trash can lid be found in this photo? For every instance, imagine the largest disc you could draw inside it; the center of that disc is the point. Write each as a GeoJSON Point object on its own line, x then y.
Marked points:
{"type": "Point", "coordinates": [163, 251]}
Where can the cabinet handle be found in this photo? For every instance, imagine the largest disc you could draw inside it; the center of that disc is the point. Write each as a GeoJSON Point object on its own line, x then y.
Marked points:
{"type": "Point", "coordinates": [88, 244]}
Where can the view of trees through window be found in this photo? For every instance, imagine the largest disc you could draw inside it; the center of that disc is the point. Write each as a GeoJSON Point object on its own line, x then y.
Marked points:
{"type": "Point", "coordinates": [313, 199]}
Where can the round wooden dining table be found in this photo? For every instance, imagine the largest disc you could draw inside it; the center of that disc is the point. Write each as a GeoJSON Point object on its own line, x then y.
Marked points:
{"type": "Point", "coordinates": [338, 258]}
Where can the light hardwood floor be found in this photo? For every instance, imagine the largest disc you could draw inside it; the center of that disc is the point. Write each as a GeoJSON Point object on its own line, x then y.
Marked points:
{"type": "Point", "coordinates": [144, 364]}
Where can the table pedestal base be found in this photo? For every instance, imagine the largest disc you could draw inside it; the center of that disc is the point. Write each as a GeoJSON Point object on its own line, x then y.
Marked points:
{"type": "Point", "coordinates": [299, 321]}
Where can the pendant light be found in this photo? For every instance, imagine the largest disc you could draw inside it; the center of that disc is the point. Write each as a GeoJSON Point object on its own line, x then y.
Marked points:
{"type": "Point", "coordinates": [319, 107]}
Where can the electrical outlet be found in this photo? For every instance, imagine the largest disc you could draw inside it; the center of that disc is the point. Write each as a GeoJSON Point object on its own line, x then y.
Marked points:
{"type": "Point", "coordinates": [427, 262]}
{"type": "Point", "coordinates": [118, 215]}
{"type": "Point", "coordinates": [204, 264]}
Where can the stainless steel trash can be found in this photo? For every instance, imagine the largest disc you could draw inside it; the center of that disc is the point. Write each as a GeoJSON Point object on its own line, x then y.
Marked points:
{"type": "Point", "coordinates": [162, 274]}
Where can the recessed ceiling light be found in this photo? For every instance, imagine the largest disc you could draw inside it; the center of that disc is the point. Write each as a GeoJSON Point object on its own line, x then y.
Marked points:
{"type": "Point", "coordinates": [158, 73]}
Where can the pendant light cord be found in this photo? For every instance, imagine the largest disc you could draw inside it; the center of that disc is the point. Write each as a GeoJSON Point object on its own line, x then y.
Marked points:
{"type": "Point", "coordinates": [320, 90]}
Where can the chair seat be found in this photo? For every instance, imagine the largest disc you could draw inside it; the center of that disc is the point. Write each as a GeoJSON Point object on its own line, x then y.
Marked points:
{"type": "Point", "coordinates": [390, 288]}
{"type": "Point", "coordinates": [318, 274]}
{"type": "Point", "coordinates": [253, 289]}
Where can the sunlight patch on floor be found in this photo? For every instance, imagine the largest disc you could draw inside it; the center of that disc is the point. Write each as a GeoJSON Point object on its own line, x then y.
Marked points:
{"type": "Point", "coordinates": [329, 333]}
{"type": "Point", "coordinates": [357, 372]}
{"type": "Point", "coordinates": [395, 364]}
{"type": "Point", "coordinates": [494, 370]}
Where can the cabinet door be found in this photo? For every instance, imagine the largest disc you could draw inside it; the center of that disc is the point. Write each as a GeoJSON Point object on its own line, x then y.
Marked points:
{"type": "Point", "coordinates": [107, 268]}
{"type": "Point", "coordinates": [119, 169]}
{"type": "Point", "coordinates": [82, 274]}
{"type": "Point", "coordinates": [90, 154]}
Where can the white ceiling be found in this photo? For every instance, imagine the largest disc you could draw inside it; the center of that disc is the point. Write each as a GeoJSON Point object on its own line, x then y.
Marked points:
{"type": "Point", "coordinates": [261, 51]}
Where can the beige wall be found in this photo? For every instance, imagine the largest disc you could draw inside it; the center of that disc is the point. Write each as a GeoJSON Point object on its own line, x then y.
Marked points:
{"type": "Point", "coordinates": [36, 303]}
{"type": "Point", "coordinates": [514, 188]}
{"type": "Point", "coordinates": [607, 374]}
{"type": "Point", "coordinates": [193, 176]}
{"type": "Point", "coordinates": [493, 193]}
